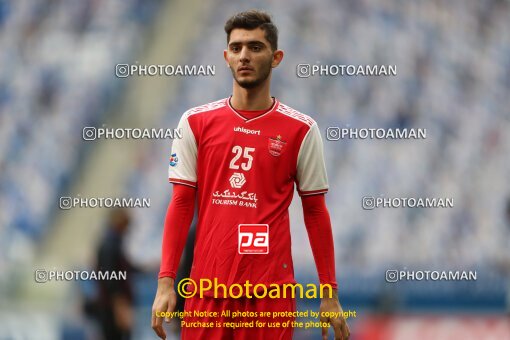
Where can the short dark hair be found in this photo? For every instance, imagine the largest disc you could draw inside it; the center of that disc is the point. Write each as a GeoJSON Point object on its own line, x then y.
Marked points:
{"type": "Point", "coordinates": [251, 20]}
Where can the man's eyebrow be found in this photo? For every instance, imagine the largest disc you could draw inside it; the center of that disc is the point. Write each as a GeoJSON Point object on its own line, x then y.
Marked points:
{"type": "Point", "coordinates": [251, 42]}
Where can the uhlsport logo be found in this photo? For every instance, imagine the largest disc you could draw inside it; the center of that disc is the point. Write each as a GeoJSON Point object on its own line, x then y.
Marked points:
{"type": "Point", "coordinates": [173, 159]}
{"type": "Point", "coordinates": [253, 239]}
{"type": "Point", "coordinates": [237, 180]}
{"type": "Point", "coordinates": [246, 131]}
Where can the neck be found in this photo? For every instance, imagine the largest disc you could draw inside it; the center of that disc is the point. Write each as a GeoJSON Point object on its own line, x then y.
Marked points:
{"type": "Point", "coordinates": [257, 98]}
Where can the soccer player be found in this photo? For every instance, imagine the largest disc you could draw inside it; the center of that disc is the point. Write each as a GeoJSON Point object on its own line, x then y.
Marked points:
{"type": "Point", "coordinates": [239, 158]}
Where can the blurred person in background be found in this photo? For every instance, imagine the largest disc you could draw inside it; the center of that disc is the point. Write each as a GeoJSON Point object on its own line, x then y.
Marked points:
{"type": "Point", "coordinates": [115, 303]}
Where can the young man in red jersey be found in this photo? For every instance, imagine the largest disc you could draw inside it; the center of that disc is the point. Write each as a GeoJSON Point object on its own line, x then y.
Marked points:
{"type": "Point", "coordinates": [239, 159]}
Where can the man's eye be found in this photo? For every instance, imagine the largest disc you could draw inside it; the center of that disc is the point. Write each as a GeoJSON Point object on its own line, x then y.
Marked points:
{"type": "Point", "coordinates": [235, 49]}
{"type": "Point", "coordinates": [256, 48]}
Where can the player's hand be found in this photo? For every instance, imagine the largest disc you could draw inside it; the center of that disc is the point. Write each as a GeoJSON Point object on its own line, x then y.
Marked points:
{"type": "Point", "coordinates": [163, 302]}
{"type": "Point", "coordinates": [339, 324]}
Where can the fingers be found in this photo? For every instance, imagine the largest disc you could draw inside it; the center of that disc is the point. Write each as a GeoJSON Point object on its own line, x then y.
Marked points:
{"type": "Point", "coordinates": [345, 330]}
{"type": "Point", "coordinates": [324, 320]}
{"type": "Point", "coordinates": [337, 328]}
{"type": "Point", "coordinates": [325, 333]}
{"type": "Point", "coordinates": [170, 308]}
{"type": "Point", "coordinates": [341, 329]}
{"type": "Point", "coordinates": [157, 325]}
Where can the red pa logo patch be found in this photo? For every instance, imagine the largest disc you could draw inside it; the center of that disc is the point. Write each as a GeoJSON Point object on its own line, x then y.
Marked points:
{"type": "Point", "coordinates": [253, 239]}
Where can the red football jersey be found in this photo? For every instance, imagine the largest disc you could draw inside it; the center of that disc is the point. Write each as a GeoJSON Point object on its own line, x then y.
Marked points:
{"type": "Point", "coordinates": [244, 170]}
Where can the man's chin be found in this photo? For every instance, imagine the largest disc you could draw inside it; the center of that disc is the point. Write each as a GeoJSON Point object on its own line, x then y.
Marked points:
{"type": "Point", "coordinates": [248, 84]}
{"type": "Point", "coordinates": [251, 81]}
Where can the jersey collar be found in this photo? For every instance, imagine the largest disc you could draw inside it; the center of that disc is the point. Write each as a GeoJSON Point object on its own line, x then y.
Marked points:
{"type": "Point", "coordinates": [265, 113]}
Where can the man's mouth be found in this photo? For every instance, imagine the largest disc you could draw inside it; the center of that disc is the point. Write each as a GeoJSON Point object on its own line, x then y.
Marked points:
{"type": "Point", "coordinates": [245, 69]}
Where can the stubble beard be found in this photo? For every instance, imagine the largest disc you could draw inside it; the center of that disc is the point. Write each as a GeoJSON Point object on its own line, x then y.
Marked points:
{"type": "Point", "coordinates": [265, 71]}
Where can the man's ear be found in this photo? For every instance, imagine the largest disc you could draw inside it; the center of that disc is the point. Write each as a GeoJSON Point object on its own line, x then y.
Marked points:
{"type": "Point", "coordinates": [277, 58]}
{"type": "Point", "coordinates": [225, 57]}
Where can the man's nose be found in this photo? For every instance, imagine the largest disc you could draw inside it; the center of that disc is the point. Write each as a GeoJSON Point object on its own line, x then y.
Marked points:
{"type": "Point", "coordinates": [244, 56]}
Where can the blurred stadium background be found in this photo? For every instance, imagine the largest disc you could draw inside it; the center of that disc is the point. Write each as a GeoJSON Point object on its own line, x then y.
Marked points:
{"type": "Point", "coordinates": [57, 75]}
